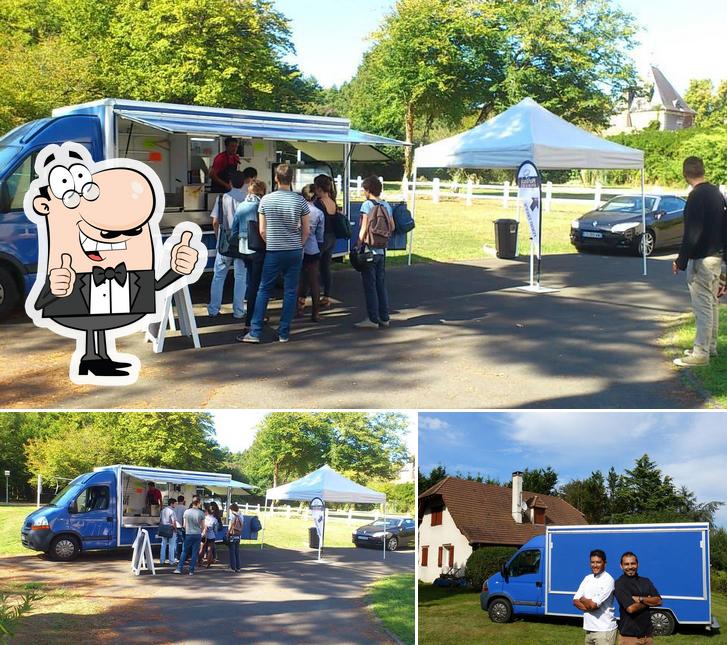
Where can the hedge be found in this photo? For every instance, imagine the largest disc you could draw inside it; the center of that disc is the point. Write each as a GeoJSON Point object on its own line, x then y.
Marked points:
{"type": "Point", "coordinates": [484, 562]}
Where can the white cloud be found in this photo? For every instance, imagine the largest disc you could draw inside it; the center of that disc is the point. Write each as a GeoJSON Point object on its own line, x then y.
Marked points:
{"type": "Point", "coordinates": [433, 423]}
{"type": "Point", "coordinates": [439, 430]}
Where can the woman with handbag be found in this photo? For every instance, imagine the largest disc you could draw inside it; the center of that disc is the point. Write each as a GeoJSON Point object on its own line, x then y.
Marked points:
{"type": "Point", "coordinates": [252, 246]}
{"type": "Point", "coordinates": [325, 191]}
{"type": "Point", "coordinates": [311, 257]}
{"type": "Point", "coordinates": [209, 535]}
{"type": "Point", "coordinates": [234, 530]}
{"type": "Point", "coordinates": [167, 531]}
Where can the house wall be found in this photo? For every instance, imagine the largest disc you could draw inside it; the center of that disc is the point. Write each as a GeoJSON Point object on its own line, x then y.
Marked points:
{"type": "Point", "coordinates": [640, 120]}
{"type": "Point", "coordinates": [435, 536]}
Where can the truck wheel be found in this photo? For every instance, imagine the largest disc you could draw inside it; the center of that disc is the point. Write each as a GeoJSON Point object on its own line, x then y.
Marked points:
{"type": "Point", "coordinates": [64, 548]}
{"type": "Point", "coordinates": [9, 293]}
{"type": "Point", "coordinates": [500, 610]}
{"type": "Point", "coordinates": [662, 622]}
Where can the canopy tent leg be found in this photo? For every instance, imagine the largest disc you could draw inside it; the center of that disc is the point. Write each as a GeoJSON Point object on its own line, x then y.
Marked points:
{"type": "Point", "coordinates": [643, 219]}
{"type": "Point", "coordinates": [384, 540]}
{"type": "Point", "coordinates": [265, 524]}
{"type": "Point", "coordinates": [347, 153]}
{"type": "Point", "coordinates": [323, 532]}
{"type": "Point", "coordinates": [413, 211]}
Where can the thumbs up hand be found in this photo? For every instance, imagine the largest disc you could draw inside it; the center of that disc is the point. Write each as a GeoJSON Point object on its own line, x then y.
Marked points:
{"type": "Point", "coordinates": [63, 278]}
{"type": "Point", "coordinates": [184, 256]}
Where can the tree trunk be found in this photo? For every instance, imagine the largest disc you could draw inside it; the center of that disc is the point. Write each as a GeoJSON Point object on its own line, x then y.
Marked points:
{"type": "Point", "coordinates": [275, 474]}
{"type": "Point", "coordinates": [409, 150]}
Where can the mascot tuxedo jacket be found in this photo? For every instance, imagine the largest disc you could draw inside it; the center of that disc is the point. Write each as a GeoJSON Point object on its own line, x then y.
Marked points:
{"type": "Point", "coordinates": [142, 295]}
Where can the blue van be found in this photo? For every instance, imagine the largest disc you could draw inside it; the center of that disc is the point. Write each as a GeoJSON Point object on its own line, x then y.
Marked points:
{"type": "Point", "coordinates": [543, 576]}
{"type": "Point", "coordinates": [106, 508]}
{"type": "Point", "coordinates": [179, 142]}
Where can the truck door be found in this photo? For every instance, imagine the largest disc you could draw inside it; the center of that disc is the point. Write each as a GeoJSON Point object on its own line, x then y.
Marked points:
{"type": "Point", "coordinates": [92, 515]}
{"type": "Point", "coordinates": [525, 582]}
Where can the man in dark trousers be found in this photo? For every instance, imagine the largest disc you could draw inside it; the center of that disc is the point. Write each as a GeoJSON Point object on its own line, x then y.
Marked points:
{"type": "Point", "coordinates": [703, 248]}
{"type": "Point", "coordinates": [635, 595]}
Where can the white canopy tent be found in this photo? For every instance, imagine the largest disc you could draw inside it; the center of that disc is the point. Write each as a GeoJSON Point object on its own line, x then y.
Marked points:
{"type": "Point", "coordinates": [529, 132]}
{"type": "Point", "coordinates": [328, 485]}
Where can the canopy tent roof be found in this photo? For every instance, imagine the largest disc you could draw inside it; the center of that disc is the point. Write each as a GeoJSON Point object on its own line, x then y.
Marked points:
{"type": "Point", "coordinates": [527, 132]}
{"type": "Point", "coordinates": [329, 485]}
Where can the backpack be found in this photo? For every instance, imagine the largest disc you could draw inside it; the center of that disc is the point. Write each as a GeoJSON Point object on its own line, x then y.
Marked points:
{"type": "Point", "coordinates": [380, 227]}
{"type": "Point", "coordinates": [403, 218]}
{"type": "Point", "coordinates": [236, 528]}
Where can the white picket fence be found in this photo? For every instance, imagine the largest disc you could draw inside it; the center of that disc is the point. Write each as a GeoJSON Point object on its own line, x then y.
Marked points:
{"type": "Point", "coordinates": [286, 510]}
{"type": "Point", "coordinates": [505, 193]}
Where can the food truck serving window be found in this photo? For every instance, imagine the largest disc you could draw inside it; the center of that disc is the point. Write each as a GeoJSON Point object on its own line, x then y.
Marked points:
{"type": "Point", "coordinates": [94, 498]}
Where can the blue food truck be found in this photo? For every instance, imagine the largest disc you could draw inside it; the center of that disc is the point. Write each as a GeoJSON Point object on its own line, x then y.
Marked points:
{"type": "Point", "coordinates": [105, 509]}
{"type": "Point", "coordinates": [544, 574]}
{"type": "Point", "coordinates": [179, 142]}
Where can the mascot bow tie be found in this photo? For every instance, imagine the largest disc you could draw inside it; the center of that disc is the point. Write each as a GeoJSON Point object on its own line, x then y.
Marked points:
{"type": "Point", "coordinates": [101, 275]}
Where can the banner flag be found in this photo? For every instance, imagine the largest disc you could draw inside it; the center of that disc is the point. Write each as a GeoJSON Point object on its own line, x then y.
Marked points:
{"type": "Point", "coordinates": [529, 194]}
{"type": "Point", "coordinates": [318, 512]}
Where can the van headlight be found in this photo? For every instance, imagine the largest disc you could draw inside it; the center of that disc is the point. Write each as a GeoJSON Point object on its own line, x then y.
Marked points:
{"type": "Point", "coordinates": [40, 524]}
{"type": "Point", "coordinates": [575, 224]}
{"type": "Point", "coordinates": [623, 227]}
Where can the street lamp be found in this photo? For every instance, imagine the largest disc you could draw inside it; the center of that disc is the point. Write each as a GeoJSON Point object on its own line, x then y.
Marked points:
{"type": "Point", "coordinates": [7, 480]}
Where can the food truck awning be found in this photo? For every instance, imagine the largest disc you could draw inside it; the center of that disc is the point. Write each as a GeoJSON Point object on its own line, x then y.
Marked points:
{"type": "Point", "coordinates": [241, 125]}
{"type": "Point", "coordinates": [157, 475]}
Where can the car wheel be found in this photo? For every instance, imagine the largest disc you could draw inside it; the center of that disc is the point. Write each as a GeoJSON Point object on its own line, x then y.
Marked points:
{"type": "Point", "coordinates": [9, 292]}
{"type": "Point", "coordinates": [64, 548]}
{"type": "Point", "coordinates": [392, 544]}
{"type": "Point", "coordinates": [649, 240]}
{"type": "Point", "coordinates": [662, 622]}
{"type": "Point", "coordinates": [500, 610]}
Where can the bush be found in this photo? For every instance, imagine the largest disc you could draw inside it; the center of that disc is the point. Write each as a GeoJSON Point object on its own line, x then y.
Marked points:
{"type": "Point", "coordinates": [718, 581]}
{"type": "Point", "coordinates": [484, 562]}
{"type": "Point", "coordinates": [718, 548]}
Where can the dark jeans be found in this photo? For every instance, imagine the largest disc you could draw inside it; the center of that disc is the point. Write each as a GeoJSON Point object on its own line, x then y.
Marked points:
{"type": "Point", "coordinates": [374, 284]}
{"type": "Point", "coordinates": [325, 263]}
{"type": "Point", "coordinates": [180, 543]}
{"type": "Point", "coordinates": [276, 262]}
{"type": "Point", "coordinates": [191, 549]}
{"type": "Point", "coordinates": [254, 268]}
{"type": "Point", "coordinates": [234, 548]}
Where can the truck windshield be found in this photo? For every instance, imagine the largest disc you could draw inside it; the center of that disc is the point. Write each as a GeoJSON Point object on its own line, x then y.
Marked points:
{"type": "Point", "coordinates": [7, 154]}
{"type": "Point", "coordinates": [69, 492]}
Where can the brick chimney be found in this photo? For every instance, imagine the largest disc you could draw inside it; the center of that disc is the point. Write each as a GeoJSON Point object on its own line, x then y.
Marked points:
{"type": "Point", "coordinates": [517, 497]}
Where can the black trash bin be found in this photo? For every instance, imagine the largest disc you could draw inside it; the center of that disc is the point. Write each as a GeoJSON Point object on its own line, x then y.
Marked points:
{"type": "Point", "coordinates": [506, 238]}
{"type": "Point", "coordinates": [312, 537]}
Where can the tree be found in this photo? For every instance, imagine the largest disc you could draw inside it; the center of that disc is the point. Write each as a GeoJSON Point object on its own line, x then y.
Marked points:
{"type": "Point", "coordinates": [437, 474]}
{"type": "Point", "coordinates": [440, 59]}
{"type": "Point", "coordinates": [540, 480]}
{"type": "Point", "coordinates": [589, 496]}
{"type": "Point", "coordinates": [710, 105]}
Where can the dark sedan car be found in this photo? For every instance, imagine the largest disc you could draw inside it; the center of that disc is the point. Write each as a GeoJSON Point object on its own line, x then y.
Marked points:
{"type": "Point", "coordinates": [617, 224]}
{"type": "Point", "coordinates": [397, 532]}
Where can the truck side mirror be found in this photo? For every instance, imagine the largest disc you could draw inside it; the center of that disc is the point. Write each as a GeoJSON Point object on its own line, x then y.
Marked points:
{"type": "Point", "coordinates": [504, 573]}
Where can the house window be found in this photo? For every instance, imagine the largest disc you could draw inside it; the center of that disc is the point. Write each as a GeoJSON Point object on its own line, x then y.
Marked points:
{"type": "Point", "coordinates": [539, 516]}
{"type": "Point", "coordinates": [439, 556]}
{"type": "Point", "coordinates": [425, 556]}
{"type": "Point", "coordinates": [437, 515]}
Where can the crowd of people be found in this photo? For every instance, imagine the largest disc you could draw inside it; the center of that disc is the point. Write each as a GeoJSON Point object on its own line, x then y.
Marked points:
{"type": "Point", "coordinates": [189, 533]}
{"type": "Point", "coordinates": [263, 236]}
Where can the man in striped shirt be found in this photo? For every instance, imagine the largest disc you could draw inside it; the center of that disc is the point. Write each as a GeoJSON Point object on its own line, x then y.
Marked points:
{"type": "Point", "coordinates": [283, 220]}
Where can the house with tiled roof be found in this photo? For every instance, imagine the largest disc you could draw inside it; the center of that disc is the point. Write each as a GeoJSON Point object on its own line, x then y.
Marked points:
{"type": "Point", "coordinates": [663, 104]}
{"type": "Point", "coordinates": [457, 516]}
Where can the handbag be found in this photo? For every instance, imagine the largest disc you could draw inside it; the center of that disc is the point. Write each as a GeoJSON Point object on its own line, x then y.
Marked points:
{"type": "Point", "coordinates": [227, 244]}
{"type": "Point", "coordinates": [255, 241]}
{"type": "Point", "coordinates": [165, 531]}
{"type": "Point", "coordinates": [360, 257]}
{"type": "Point", "coordinates": [341, 226]}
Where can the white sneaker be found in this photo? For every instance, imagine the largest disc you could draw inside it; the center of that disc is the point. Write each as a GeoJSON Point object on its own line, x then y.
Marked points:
{"type": "Point", "coordinates": [712, 352]}
{"type": "Point", "coordinates": [366, 324]}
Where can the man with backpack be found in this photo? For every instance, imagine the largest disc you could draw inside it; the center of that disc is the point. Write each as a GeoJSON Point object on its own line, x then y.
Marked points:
{"type": "Point", "coordinates": [377, 227]}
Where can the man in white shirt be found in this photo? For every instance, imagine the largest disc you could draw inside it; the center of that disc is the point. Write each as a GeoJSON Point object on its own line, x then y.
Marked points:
{"type": "Point", "coordinates": [595, 599]}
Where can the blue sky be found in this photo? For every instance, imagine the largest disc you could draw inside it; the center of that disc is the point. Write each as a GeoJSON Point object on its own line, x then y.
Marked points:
{"type": "Point", "coordinates": [685, 41]}
{"type": "Point", "coordinates": [689, 446]}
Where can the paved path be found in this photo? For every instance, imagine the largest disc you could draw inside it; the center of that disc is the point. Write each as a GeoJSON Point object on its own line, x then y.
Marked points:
{"type": "Point", "coordinates": [282, 596]}
{"type": "Point", "coordinates": [462, 336]}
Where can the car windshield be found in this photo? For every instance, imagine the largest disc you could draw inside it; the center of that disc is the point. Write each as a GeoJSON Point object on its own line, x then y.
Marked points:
{"type": "Point", "coordinates": [628, 204]}
{"type": "Point", "coordinates": [389, 523]}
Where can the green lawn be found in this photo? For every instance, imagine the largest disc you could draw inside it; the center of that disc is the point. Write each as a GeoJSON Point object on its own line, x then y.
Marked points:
{"type": "Point", "coordinates": [11, 519]}
{"type": "Point", "coordinates": [451, 616]}
{"type": "Point", "coordinates": [281, 533]}
{"type": "Point", "coordinates": [451, 230]}
{"type": "Point", "coordinates": [714, 376]}
{"type": "Point", "coordinates": [392, 600]}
